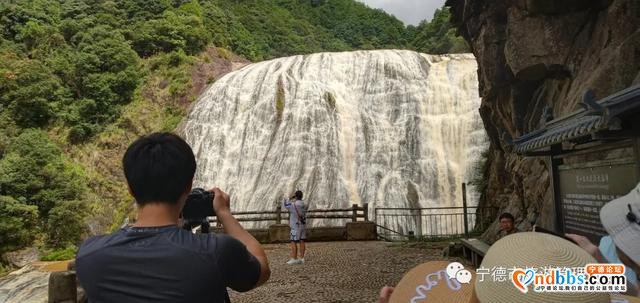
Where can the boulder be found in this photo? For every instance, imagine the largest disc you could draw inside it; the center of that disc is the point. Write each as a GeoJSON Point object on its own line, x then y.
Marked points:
{"type": "Point", "coordinates": [21, 257]}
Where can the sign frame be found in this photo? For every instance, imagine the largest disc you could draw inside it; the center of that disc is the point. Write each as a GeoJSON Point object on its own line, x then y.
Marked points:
{"type": "Point", "coordinates": [559, 170]}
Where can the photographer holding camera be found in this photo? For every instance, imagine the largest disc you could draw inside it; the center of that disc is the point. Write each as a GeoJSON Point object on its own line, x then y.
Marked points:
{"type": "Point", "coordinates": [297, 221]}
{"type": "Point", "coordinates": [157, 261]}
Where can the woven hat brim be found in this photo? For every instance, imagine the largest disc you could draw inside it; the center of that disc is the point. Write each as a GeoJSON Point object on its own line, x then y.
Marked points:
{"type": "Point", "coordinates": [625, 234]}
{"type": "Point", "coordinates": [532, 250]}
{"type": "Point", "coordinates": [618, 298]}
{"type": "Point", "coordinates": [406, 290]}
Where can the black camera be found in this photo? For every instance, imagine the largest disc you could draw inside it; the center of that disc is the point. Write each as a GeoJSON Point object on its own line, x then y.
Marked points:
{"type": "Point", "coordinates": [198, 207]}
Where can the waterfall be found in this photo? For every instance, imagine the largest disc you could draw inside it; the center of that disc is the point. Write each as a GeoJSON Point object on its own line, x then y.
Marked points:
{"type": "Point", "coordinates": [391, 128]}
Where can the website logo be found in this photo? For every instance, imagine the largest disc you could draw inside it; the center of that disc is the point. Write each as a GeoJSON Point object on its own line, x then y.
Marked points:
{"type": "Point", "coordinates": [591, 278]}
{"type": "Point", "coordinates": [456, 271]}
{"type": "Point", "coordinates": [521, 279]}
{"type": "Point", "coordinates": [435, 279]}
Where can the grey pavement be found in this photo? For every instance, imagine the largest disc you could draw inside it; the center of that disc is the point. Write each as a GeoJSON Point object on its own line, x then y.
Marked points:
{"type": "Point", "coordinates": [336, 272]}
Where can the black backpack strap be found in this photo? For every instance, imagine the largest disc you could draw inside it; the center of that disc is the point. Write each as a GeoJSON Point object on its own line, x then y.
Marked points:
{"type": "Point", "coordinates": [297, 213]}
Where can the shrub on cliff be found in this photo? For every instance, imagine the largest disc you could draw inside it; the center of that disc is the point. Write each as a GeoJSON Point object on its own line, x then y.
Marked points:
{"type": "Point", "coordinates": [18, 224]}
{"type": "Point", "coordinates": [35, 175]}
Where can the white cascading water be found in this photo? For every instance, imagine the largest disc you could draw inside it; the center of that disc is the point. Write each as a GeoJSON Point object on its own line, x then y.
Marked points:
{"type": "Point", "coordinates": [391, 128]}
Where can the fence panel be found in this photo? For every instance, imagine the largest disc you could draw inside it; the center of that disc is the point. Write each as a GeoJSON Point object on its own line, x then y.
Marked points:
{"type": "Point", "coordinates": [431, 222]}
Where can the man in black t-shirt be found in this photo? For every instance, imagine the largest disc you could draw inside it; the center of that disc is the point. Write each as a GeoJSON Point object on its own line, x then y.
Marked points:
{"type": "Point", "coordinates": [156, 261]}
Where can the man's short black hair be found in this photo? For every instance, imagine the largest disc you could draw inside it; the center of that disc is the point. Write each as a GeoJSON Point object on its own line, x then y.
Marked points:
{"type": "Point", "coordinates": [508, 216]}
{"type": "Point", "coordinates": [298, 194]}
{"type": "Point", "coordinates": [158, 168]}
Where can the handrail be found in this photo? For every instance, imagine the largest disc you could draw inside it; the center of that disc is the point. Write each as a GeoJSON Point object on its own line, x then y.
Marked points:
{"type": "Point", "coordinates": [354, 213]}
{"type": "Point", "coordinates": [333, 210]}
{"type": "Point", "coordinates": [427, 208]}
{"type": "Point", "coordinates": [431, 221]}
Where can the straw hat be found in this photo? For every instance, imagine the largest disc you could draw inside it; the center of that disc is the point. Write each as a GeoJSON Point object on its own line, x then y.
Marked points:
{"type": "Point", "coordinates": [616, 217]}
{"type": "Point", "coordinates": [617, 298]}
{"type": "Point", "coordinates": [430, 282]}
{"type": "Point", "coordinates": [533, 250]}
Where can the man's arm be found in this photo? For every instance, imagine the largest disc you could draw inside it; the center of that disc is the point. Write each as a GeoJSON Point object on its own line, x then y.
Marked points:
{"type": "Point", "coordinates": [586, 244]}
{"type": "Point", "coordinates": [385, 294]}
{"type": "Point", "coordinates": [233, 228]}
{"type": "Point", "coordinates": [286, 203]}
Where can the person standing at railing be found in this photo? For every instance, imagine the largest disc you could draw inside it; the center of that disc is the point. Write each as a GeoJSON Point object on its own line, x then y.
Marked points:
{"type": "Point", "coordinates": [297, 221]}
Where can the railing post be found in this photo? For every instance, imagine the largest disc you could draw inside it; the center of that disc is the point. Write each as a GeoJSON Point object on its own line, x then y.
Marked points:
{"type": "Point", "coordinates": [278, 215]}
{"type": "Point", "coordinates": [464, 205]}
{"type": "Point", "coordinates": [354, 216]}
{"type": "Point", "coordinates": [366, 212]}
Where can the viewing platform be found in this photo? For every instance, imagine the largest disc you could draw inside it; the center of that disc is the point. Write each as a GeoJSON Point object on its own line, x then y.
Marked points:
{"type": "Point", "coordinates": [344, 263]}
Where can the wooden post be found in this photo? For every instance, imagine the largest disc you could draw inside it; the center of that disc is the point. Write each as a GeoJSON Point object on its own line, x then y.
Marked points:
{"type": "Point", "coordinates": [366, 212]}
{"type": "Point", "coordinates": [354, 216]}
{"type": "Point", "coordinates": [278, 214]}
{"type": "Point", "coordinates": [464, 205]}
{"type": "Point", "coordinates": [62, 287]}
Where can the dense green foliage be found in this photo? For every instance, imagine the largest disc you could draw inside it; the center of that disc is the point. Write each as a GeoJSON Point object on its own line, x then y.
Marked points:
{"type": "Point", "coordinates": [58, 254]}
{"type": "Point", "coordinates": [437, 36]}
{"type": "Point", "coordinates": [77, 62]}
{"type": "Point", "coordinates": [16, 221]}
{"type": "Point", "coordinates": [37, 182]}
{"type": "Point", "coordinates": [68, 68]}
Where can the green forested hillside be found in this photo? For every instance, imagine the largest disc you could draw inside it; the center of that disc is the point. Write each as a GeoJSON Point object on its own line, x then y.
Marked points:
{"type": "Point", "coordinates": [81, 79]}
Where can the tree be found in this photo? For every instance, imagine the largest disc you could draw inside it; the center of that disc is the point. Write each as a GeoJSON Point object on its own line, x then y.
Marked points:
{"type": "Point", "coordinates": [438, 36]}
{"type": "Point", "coordinates": [69, 214]}
{"type": "Point", "coordinates": [143, 9]}
{"type": "Point", "coordinates": [14, 15]}
{"type": "Point", "coordinates": [179, 29]}
{"type": "Point", "coordinates": [106, 76]}
{"type": "Point", "coordinates": [35, 170]}
{"type": "Point", "coordinates": [29, 90]}
{"type": "Point", "coordinates": [18, 224]}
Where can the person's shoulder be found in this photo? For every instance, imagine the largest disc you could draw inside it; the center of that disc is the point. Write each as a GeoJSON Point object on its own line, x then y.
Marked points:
{"type": "Point", "coordinates": [223, 241]}
{"type": "Point", "coordinates": [93, 244]}
{"type": "Point", "coordinates": [193, 242]}
{"type": "Point", "coordinates": [229, 248]}
{"type": "Point", "coordinates": [203, 243]}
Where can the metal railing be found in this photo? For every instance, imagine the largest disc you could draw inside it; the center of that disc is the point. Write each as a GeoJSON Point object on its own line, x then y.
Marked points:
{"type": "Point", "coordinates": [279, 216]}
{"type": "Point", "coordinates": [432, 222]}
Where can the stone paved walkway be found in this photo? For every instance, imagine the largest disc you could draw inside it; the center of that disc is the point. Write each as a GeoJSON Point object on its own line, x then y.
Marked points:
{"type": "Point", "coordinates": [336, 272]}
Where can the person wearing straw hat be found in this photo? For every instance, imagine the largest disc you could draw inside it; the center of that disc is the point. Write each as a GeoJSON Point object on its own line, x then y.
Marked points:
{"type": "Point", "coordinates": [433, 282]}
{"type": "Point", "coordinates": [532, 250]}
{"type": "Point", "coordinates": [520, 250]}
{"type": "Point", "coordinates": [621, 219]}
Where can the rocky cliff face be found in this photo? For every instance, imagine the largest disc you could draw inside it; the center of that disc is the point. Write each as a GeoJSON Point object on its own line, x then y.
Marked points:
{"type": "Point", "coordinates": [537, 53]}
